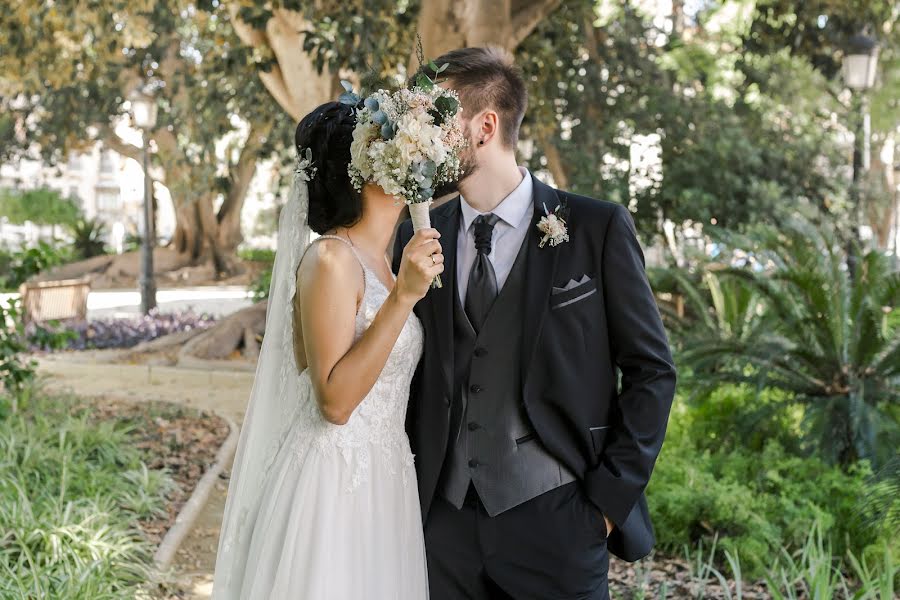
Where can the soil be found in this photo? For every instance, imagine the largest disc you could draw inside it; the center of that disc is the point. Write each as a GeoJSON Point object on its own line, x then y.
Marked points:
{"type": "Point", "coordinates": [227, 391]}
{"type": "Point", "coordinates": [181, 440]}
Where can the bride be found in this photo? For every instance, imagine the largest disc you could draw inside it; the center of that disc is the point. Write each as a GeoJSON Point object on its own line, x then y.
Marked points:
{"type": "Point", "coordinates": [323, 501]}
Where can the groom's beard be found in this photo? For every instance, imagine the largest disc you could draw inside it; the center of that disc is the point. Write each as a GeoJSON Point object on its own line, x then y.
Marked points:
{"type": "Point", "coordinates": [467, 166]}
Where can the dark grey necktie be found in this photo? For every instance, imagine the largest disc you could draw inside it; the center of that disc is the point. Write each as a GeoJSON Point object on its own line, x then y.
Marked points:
{"type": "Point", "coordinates": [482, 290]}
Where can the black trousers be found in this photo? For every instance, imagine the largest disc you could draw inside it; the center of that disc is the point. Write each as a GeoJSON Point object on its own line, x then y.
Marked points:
{"type": "Point", "coordinates": [551, 547]}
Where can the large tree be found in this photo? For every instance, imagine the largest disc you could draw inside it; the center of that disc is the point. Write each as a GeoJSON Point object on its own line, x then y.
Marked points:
{"type": "Point", "coordinates": [607, 85]}
{"type": "Point", "coordinates": [81, 68]}
{"type": "Point", "coordinates": [371, 40]}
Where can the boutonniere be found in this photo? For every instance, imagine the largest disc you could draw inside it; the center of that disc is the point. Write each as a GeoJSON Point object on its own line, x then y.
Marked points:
{"type": "Point", "coordinates": [553, 225]}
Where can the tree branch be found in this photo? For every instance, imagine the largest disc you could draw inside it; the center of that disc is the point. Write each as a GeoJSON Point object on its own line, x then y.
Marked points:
{"type": "Point", "coordinates": [526, 15]}
{"type": "Point", "coordinates": [250, 36]}
{"type": "Point", "coordinates": [241, 173]}
{"type": "Point", "coordinates": [114, 142]}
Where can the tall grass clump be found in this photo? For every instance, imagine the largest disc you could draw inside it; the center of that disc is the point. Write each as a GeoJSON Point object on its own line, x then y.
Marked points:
{"type": "Point", "coordinates": [72, 491]}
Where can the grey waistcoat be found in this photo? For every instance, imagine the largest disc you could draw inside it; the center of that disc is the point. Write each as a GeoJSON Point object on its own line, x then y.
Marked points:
{"type": "Point", "coordinates": [492, 443]}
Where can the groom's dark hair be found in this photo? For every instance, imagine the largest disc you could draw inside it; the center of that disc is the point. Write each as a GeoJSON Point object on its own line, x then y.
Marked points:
{"type": "Point", "coordinates": [487, 78]}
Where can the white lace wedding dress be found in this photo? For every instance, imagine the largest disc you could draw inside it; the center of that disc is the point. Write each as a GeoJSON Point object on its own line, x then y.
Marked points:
{"type": "Point", "coordinates": [340, 516]}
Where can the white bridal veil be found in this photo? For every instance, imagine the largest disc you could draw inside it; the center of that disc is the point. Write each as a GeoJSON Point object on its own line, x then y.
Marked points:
{"type": "Point", "coordinates": [274, 399]}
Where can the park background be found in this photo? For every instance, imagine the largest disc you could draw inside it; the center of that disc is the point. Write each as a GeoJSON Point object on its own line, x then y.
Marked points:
{"type": "Point", "coordinates": [754, 142]}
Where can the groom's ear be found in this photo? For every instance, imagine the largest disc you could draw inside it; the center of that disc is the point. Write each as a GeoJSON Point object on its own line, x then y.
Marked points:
{"type": "Point", "coordinates": [487, 127]}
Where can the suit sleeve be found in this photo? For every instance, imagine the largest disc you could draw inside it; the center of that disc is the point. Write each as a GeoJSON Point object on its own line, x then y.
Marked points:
{"type": "Point", "coordinates": [640, 349]}
{"type": "Point", "coordinates": [404, 232]}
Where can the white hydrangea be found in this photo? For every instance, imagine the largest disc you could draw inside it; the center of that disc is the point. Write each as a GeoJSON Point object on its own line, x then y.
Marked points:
{"type": "Point", "coordinates": [399, 146]}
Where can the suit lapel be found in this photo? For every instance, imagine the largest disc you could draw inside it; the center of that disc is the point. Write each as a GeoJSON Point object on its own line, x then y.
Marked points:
{"type": "Point", "coordinates": [539, 281]}
{"type": "Point", "coordinates": [447, 223]}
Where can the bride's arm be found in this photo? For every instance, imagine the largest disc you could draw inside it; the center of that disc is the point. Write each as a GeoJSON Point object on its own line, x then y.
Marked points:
{"type": "Point", "coordinates": [342, 372]}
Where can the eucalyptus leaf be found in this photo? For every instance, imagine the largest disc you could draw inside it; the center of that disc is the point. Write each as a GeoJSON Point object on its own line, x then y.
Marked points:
{"type": "Point", "coordinates": [429, 168]}
{"type": "Point", "coordinates": [447, 105]}
{"type": "Point", "coordinates": [426, 193]}
{"type": "Point", "coordinates": [347, 85]}
{"type": "Point", "coordinates": [348, 98]}
{"type": "Point", "coordinates": [372, 104]}
{"type": "Point", "coordinates": [387, 131]}
{"type": "Point", "coordinates": [424, 82]}
{"type": "Point", "coordinates": [379, 118]}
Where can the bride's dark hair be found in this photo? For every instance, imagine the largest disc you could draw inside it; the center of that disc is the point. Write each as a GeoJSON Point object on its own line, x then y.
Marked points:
{"type": "Point", "coordinates": [328, 132]}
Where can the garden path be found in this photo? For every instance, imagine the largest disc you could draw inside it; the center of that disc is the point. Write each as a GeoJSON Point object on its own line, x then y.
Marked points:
{"type": "Point", "coordinates": [225, 391]}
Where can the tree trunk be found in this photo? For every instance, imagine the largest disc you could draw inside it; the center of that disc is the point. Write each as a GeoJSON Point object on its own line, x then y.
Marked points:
{"type": "Point", "coordinates": [187, 239]}
{"type": "Point", "coordinates": [240, 176]}
{"type": "Point", "coordinates": [226, 336]}
{"type": "Point", "coordinates": [882, 199]}
{"type": "Point", "coordinates": [293, 81]}
{"type": "Point", "coordinates": [209, 227]}
{"type": "Point", "coordinates": [448, 24]}
{"type": "Point", "coordinates": [555, 163]}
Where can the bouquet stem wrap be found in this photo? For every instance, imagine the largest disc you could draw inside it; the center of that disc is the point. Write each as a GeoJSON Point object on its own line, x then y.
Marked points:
{"type": "Point", "coordinates": [421, 219]}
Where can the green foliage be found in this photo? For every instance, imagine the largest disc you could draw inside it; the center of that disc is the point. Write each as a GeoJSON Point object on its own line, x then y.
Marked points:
{"type": "Point", "coordinates": [71, 492]}
{"type": "Point", "coordinates": [16, 369]}
{"type": "Point", "coordinates": [743, 137]}
{"type": "Point", "coordinates": [799, 24]}
{"type": "Point", "coordinates": [260, 286]}
{"type": "Point", "coordinates": [755, 503]}
{"type": "Point", "coordinates": [819, 334]}
{"type": "Point", "coordinates": [88, 237]}
{"type": "Point", "coordinates": [42, 206]}
{"type": "Point", "coordinates": [256, 254]}
{"type": "Point", "coordinates": [21, 265]}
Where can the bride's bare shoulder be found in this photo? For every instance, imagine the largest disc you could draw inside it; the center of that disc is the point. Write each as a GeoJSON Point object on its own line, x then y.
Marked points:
{"type": "Point", "coordinates": [329, 260]}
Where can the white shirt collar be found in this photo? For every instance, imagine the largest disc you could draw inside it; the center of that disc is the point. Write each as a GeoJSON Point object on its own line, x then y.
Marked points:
{"type": "Point", "coordinates": [511, 209]}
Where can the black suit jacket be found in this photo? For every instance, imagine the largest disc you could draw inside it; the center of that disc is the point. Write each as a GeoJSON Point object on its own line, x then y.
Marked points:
{"type": "Point", "coordinates": [574, 343]}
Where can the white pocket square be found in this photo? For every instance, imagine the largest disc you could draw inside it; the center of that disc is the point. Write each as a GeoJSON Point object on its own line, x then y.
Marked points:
{"type": "Point", "coordinates": [571, 285]}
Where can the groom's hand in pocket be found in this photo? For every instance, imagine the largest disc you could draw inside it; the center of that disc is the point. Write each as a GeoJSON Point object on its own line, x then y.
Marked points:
{"type": "Point", "coordinates": [609, 525]}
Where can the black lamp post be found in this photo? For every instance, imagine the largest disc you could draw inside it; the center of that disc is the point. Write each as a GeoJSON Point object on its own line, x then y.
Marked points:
{"type": "Point", "coordinates": [858, 68]}
{"type": "Point", "coordinates": [143, 111]}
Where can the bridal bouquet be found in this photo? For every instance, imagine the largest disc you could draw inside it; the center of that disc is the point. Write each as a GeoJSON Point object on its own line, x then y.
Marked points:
{"type": "Point", "coordinates": [408, 142]}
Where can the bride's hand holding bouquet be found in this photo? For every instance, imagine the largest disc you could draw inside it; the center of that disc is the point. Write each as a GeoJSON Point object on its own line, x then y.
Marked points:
{"type": "Point", "coordinates": [408, 142]}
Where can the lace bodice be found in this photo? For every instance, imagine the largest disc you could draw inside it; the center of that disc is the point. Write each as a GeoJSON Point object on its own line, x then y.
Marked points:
{"type": "Point", "coordinates": [379, 420]}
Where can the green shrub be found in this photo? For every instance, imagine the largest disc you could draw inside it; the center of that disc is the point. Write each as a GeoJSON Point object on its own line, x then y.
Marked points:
{"type": "Point", "coordinates": [256, 254]}
{"type": "Point", "coordinates": [88, 237]}
{"type": "Point", "coordinates": [21, 265]}
{"type": "Point", "coordinates": [757, 502]}
{"type": "Point", "coordinates": [71, 492]}
{"type": "Point", "coordinates": [16, 369]}
{"type": "Point", "coordinates": [260, 286]}
{"type": "Point", "coordinates": [794, 318]}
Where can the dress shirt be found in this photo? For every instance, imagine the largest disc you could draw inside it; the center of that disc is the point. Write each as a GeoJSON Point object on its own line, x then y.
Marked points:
{"type": "Point", "coordinates": [515, 212]}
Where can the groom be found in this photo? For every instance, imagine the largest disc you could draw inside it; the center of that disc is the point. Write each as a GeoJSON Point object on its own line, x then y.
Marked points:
{"type": "Point", "coordinates": [532, 459]}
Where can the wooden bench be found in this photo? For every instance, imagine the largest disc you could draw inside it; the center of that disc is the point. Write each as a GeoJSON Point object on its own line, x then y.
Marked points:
{"type": "Point", "coordinates": [50, 300]}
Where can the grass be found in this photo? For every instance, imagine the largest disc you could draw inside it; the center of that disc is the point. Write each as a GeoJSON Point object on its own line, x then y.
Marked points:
{"type": "Point", "coordinates": [72, 492]}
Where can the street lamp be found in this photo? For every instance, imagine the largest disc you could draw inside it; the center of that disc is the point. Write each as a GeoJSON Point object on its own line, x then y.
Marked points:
{"type": "Point", "coordinates": [143, 112]}
{"type": "Point", "coordinates": [860, 62]}
{"type": "Point", "coordinates": [858, 69]}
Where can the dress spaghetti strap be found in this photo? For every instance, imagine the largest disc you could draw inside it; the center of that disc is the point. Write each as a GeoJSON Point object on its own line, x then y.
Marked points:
{"type": "Point", "coordinates": [352, 248]}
